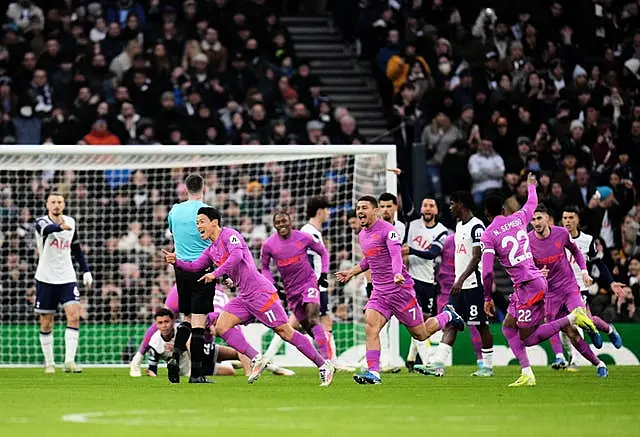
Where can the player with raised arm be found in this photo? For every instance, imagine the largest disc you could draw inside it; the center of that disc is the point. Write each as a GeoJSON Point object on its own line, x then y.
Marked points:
{"type": "Point", "coordinates": [467, 291]}
{"type": "Point", "coordinates": [506, 237]}
{"type": "Point", "coordinates": [393, 292]}
{"type": "Point", "coordinates": [56, 240]}
{"type": "Point", "coordinates": [587, 245]}
{"type": "Point", "coordinates": [256, 298]}
{"type": "Point", "coordinates": [195, 298]}
{"type": "Point", "coordinates": [289, 249]}
{"type": "Point", "coordinates": [549, 245]}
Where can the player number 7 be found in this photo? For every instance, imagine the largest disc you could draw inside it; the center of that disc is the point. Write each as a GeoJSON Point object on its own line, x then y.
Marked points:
{"type": "Point", "coordinates": [412, 311]}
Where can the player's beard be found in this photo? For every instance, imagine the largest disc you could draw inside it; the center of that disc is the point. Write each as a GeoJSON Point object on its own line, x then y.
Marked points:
{"type": "Point", "coordinates": [427, 217]}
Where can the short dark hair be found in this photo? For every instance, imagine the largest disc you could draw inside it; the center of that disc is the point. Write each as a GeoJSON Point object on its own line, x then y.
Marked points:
{"type": "Point", "coordinates": [315, 204]}
{"type": "Point", "coordinates": [194, 183]}
{"type": "Point", "coordinates": [164, 312]}
{"type": "Point", "coordinates": [372, 200]}
{"type": "Point", "coordinates": [211, 212]}
{"type": "Point", "coordinates": [572, 209]}
{"type": "Point", "coordinates": [463, 197]}
{"type": "Point", "coordinates": [388, 197]}
{"type": "Point", "coordinates": [493, 205]}
{"type": "Point", "coordinates": [280, 211]}
{"type": "Point", "coordinates": [351, 214]}
{"type": "Point", "coordinates": [542, 209]}
{"type": "Point", "coordinates": [54, 193]}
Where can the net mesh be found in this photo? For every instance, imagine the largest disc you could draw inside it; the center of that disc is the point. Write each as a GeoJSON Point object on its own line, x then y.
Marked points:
{"type": "Point", "coordinates": [120, 203]}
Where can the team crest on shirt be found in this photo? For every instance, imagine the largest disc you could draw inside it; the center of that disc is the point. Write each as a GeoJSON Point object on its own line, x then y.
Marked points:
{"type": "Point", "coordinates": [478, 233]}
{"type": "Point", "coordinates": [393, 236]}
{"type": "Point", "coordinates": [234, 239]}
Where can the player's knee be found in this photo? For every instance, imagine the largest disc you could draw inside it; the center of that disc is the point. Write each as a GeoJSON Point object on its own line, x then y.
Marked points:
{"type": "Point", "coordinates": [46, 322]}
{"type": "Point", "coordinates": [572, 333]}
{"type": "Point", "coordinates": [285, 331]}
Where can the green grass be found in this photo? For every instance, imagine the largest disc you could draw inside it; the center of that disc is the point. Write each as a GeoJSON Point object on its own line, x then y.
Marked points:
{"type": "Point", "coordinates": [562, 404]}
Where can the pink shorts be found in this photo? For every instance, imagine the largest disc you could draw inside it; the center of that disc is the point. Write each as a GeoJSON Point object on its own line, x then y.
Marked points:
{"type": "Point", "coordinates": [558, 304]}
{"type": "Point", "coordinates": [297, 299]}
{"type": "Point", "coordinates": [527, 303]}
{"type": "Point", "coordinates": [264, 306]}
{"type": "Point", "coordinates": [403, 304]}
{"type": "Point", "coordinates": [171, 301]}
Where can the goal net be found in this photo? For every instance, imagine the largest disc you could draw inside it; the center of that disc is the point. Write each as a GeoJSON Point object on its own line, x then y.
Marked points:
{"type": "Point", "coordinates": [120, 197]}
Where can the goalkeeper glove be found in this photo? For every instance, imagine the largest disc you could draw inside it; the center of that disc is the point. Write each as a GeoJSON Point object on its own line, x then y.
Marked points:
{"type": "Point", "coordinates": [322, 281]}
{"type": "Point", "coordinates": [87, 279]}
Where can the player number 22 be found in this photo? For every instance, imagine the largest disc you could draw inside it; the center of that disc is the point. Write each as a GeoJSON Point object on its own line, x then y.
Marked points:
{"type": "Point", "coordinates": [312, 293]}
{"type": "Point", "coordinates": [520, 238]}
{"type": "Point", "coordinates": [524, 315]}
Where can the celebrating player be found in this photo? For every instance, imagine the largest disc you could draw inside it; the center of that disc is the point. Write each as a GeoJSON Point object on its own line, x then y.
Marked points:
{"type": "Point", "coordinates": [393, 292]}
{"type": "Point", "coordinates": [467, 291]}
{"type": "Point", "coordinates": [289, 249]}
{"type": "Point", "coordinates": [195, 298]}
{"type": "Point", "coordinates": [548, 244]}
{"type": "Point", "coordinates": [256, 297]}
{"type": "Point", "coordinates": [507, 238]}
{"type": "Point", "coordinates": [586, 244]}
{"type": "Point", "coordinates": [56, 239]}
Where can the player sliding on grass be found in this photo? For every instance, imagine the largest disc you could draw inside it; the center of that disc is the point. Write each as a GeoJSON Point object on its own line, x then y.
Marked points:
{"type": "Point", "coordinates": [256, 296]}
{"type": "Point", "coordinates": [393, 292]}
{"type": "Point", "coordinates": [507, 238]}
{"type": "Point", "coordinates": [288, 248]}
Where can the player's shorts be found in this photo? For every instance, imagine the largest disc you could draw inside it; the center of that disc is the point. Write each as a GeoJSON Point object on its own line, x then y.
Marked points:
{"type": "Point", "coordinates": [324, 303]}
{"type": "Point", "coordinates": [171, 301]}
{"type": "Point", "coordinates": [297, 299]}
{"type": "Point", "coordinates": [48, 296]}
{"type": "Point", "coordinates": [469, 304]}
{"type": "Point", "coordinates": [194, 297]}
{"type": "Point", "coordinates": [403, 304]}
{"type": "Point", "coordinates": [264, 306]}
{"type": "Point", "coordinates": [558, 304]}
{"type": "Point", "coordinates": [210, 359]}
{"type": "Point", "coordinates": [526, 303]}
{"type": "Point", "coordinates": [427, 295]}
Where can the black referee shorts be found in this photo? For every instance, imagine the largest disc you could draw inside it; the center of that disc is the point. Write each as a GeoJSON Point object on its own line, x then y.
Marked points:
{"type": "Point", "coordinates": [427, 295]}
{"type": "Point", "coordinates": [194, 297]}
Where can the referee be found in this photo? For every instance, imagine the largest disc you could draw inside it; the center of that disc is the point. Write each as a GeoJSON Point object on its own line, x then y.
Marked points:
{"type": "Point", "coordinates": [195, 299]}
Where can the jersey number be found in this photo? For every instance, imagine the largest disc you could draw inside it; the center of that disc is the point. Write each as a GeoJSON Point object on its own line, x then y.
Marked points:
{"type": "Point", "coordinates": [312, 293]}
{"type": "Point", "coordinates": [473, 310]}
{"type": "Point", "coordinates": [412, 311]}
{"type": "Point", "coordinates": [524, 316]}
{"type": "Point", "coordinates": [271, 317]}
{"type": "Point", "coordinates": [521, 238]}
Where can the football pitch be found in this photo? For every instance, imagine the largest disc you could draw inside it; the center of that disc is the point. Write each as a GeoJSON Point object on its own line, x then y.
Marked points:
{"type": "Point", "coordinates": [107, 402]}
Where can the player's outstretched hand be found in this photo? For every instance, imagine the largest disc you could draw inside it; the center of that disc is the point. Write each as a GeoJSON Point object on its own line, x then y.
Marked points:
{"type": "Point", "coordinates": [344, 276]}
{"type": "Point", "coordinates": [398, 279]}
{"type": "Point", "coordinates": [490, 308]}
{"type": "Point", "coordinates": [169, 257]}
{"type": "Point", "coordinates": [405, 250]}
{"type": "Point", "coordinates": [208, 278]}
{"type": "Point", "coordinates": [587, 279]}
{"type": "Point", "coordinates": [151, 373]}
{"type": "Point", "coordinates": [618, 288]}
{"type": "Point", "coordinates": [395, 171]}
{"type": "Point", "coordinates": [531, 179]}
{"type": "Point", "coordinates": [87, 279]}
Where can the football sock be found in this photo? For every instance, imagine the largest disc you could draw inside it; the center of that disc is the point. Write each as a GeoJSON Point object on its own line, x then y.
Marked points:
{"type": "Point", "coordinates": [413, 350]}
{"type": "Point", "coordinates": [46, 343]}
{"type": "Point", "coordinates": [70, 344]}
{"type": "Point", "coordinates": [197, 351]}
{"type": "Point", "coordinates": [182, 336]}
{"type": "Point", "coordinates": [487, 358]}
{"type": "Point", "coordinates": [305, 346]}
{"type": "Point", "coordinates": [476, 341]}
{"type": "Point", "coordinates": [543, 332]}
{"type": "Point", "coordinates": [601, 324]}
{"type": "Point", "coordinates": [274, 347]}
{"type": "Point", "coordinates": [424, 350]}
{"type": "Point", "coordinates": [517, 347]}
{"type": "Point", "coordinates": [442, 355]}
{"type": "Point", "coordinates": [320, 337]}
{"type": "Point", "coordinates": [556, 345]}
{"type": "Point", "coordinates": [584, 349]}
{"type": "Point", "coordinates": [373, 360]}
{"type": "Point", "coordinates": [236, 339]}
{"type": "Point", "coordinates": [443, 318]}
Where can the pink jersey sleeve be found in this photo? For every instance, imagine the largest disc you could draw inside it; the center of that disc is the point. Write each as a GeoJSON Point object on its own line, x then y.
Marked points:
{"type": "Point", "coordinates": [364, 264]}
{"type": "Point", "coordinates": [488, 259]}
{"type": "Point", "coordinates": [319, 248]}
{"type": "Point", "coordinates": [531, 204]}
{"type": "Point", "coordinates": [195, 266]}
{"type": "Point", "coordinates": [395, 251]}
{"type": "Point", "coordinates": [265, 260]}
{"type": "Point", "coordinates": [233, 243]}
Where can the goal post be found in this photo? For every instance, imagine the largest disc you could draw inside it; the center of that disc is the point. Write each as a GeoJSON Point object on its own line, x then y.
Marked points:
{"type": "Point", "coordinates": [120, 197]}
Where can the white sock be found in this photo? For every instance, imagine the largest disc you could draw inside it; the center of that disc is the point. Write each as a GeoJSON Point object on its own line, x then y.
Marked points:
{"type": "Point", "coordinates": [601, 364]}
{"type": "Point", "coordinates": [413, 350]}
{"type": "Point", "coordinates": [572, 318]}
{"type": "Point", "coordinates": [70, 344]}
{"type": "Point", "coordinates": [527, 371]}
{"type": "Point", "coordinates": [487, 358]}
{"type": "Point", "coordinates": [332, 343]}
{"type": "Point", "coordinates": [424, 349]}
{"type": "Point", "coordinates": [137, 359]}
{"type": "Point", "coordinates": [46, 343]}
{"type": "Point", "coordinates": [610, 329]}
{"type": "Point", "coordinates": [274, 347]}
{"type": "Point", "coordinates": [560, 355]}
{"type": "Point", "coordinates": [442, 355]}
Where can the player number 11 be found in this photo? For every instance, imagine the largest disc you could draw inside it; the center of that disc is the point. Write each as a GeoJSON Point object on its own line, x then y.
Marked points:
{"type": "Point", "coordinates": [270, 316]}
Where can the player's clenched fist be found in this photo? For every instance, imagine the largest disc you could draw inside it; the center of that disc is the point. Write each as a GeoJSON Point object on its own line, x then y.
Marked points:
{"type": "Point", "coordinates": [169, 257]}
{"type": "Point", "coordinates": [398, 279]}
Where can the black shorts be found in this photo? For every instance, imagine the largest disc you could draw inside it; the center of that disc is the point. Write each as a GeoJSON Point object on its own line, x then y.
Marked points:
{"type": "Point", "coordinates": [194, 297]}
{"type": "Point", "coordinates": [469, 303]}
{"type": "Point", "coordinates": [48, 296]}
{"type": "Point", "coordinates": [427, 297]}
{"type": "Point", "coordinates": [324, 303]}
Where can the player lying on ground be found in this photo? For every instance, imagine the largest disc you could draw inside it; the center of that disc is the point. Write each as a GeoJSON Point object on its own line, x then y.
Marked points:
{"type": "Point", "coordinates": [507, 238]}
{"type": "Point", "coordinates": [393, 292]}
{"type": "Point", "coordinates": [549, 246]}
{"type": "Point", "coordinates": [56, 240]}
{"type": "Point", "coordinates": [587, 245]}
{"type": "Point", "coordinates": [256, 298]}
{"type": "Point", "coordinates": [219, 301]}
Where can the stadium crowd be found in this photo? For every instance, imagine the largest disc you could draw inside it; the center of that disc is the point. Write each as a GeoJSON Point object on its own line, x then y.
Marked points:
{"type": "Point", "coordinates": [491, 93]}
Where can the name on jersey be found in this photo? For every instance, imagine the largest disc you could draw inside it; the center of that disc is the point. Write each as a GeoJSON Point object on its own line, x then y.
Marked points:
{"type": "Point", "coordinates": [507, 226]}
{"type": "Point", "coordinates": [290, 261]}
{"type": "Point", "coordinates": [60, 244]}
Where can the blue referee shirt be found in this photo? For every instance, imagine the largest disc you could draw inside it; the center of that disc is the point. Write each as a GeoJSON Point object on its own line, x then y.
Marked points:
{"type": "Point", "coordinates": [182, 224]}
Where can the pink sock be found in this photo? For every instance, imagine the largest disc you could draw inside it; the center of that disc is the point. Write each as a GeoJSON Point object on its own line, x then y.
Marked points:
{"type": "Point", "coordinates": [321, 340]}
{"type": "Point", "coordinates": [556, 344]}
{"type": "Point", "coordinates": [303, 344]}
{"type": "Point", "coordinates": [546, 331]}
{"type": "Point", "coordinates": [144, 346]}
{"type": "Point", "coordinates": [601, 324]}
{"type": "Point", "coordinates": [235, 338]}
{"type": "Point", "coordinates": [584, 349]}
{"type": "Point", "coordinates": [373, 360]}
{"type": "Point", "coordinates": [443, 318]}
{"type": "Point", "coordinates": [517, 346]}
{"type": "Point", "coordinates": [476, 341]}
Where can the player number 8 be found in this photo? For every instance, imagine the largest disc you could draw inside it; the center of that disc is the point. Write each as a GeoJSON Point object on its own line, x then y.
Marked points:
{"type": "Point", "coordinates": [473, 310]}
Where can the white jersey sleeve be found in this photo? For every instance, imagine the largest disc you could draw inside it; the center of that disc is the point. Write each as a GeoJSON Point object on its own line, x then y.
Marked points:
{"type": "Point", "coordinates": [55, 265]}
{"type": "Point", "coordinates": [314, 258]}
{"type": "Point", "coordinates": [422, 238]}
{"type": "Point", "coordinates": [401, 228]}
{"type": "Point", "coordinates": [586, 244]}
{"type": "Point", "coordinates": [466, 238]}
{"type": "Point", "coordinates": [161, 350]}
